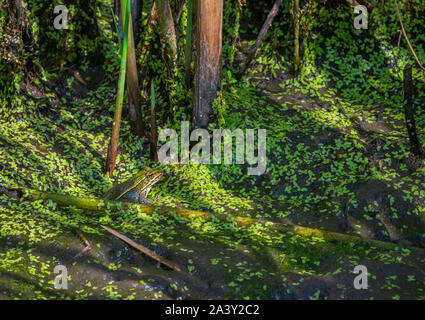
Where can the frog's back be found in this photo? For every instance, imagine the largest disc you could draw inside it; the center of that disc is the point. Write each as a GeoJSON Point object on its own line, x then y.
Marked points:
{"type": "Point", "coordinates": [126, 191]}
{"type": "Point", "coordinates": [114, 192]}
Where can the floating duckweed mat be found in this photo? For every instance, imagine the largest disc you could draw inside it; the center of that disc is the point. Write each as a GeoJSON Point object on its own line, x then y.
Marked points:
{"type": "Point", "coordinates": [33, 232]}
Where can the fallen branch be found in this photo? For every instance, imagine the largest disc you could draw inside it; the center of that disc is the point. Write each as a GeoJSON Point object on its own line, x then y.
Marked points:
{"type": "Point", "coordinates": [253, 51]}
{"type": "Point", "coordinates": [405, 36]}
{"type": "Point", "coordinates": [101, 204]}
{"type": "Point", "coordinates": [143, 249]}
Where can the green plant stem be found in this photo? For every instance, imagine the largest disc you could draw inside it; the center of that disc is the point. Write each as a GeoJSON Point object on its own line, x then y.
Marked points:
{"type": "Point", "coordinates": [113, 146]}
{"type": "Point", "coordinates": [133, 92]}
{"type": "Point", "coordinates": [154, 133]}
{"type": "Point", "coordinates": [116, 29]}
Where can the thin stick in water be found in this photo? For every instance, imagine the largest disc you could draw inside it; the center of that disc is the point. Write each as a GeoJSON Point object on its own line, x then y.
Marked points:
{"type": "Point", "coordinates": [143, 249]}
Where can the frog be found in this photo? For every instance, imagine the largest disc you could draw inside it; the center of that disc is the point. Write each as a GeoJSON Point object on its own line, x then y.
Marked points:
{"type": "Point", "coordinates": [135, 189]}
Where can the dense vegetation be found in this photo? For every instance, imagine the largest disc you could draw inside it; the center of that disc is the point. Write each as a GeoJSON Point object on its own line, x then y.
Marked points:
{"type": "Point", "coordinates": [338, 156]}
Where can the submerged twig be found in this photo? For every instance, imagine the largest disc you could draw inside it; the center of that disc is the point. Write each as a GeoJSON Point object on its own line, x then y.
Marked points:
{"type": "Point", "coordinates": [143, 249]}
{"type": "Point", "coordinates": [86, 242]}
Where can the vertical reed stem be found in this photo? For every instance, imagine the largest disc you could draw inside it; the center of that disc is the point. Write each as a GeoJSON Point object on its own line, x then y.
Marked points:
{"type": "Point", "coordinates": [113, 145]}
{"type": "Point", "coordinates": [154, 133]}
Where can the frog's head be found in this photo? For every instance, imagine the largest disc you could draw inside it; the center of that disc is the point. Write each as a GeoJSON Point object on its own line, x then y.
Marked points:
{"type": "Point", "coordinates": [147, 180]}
